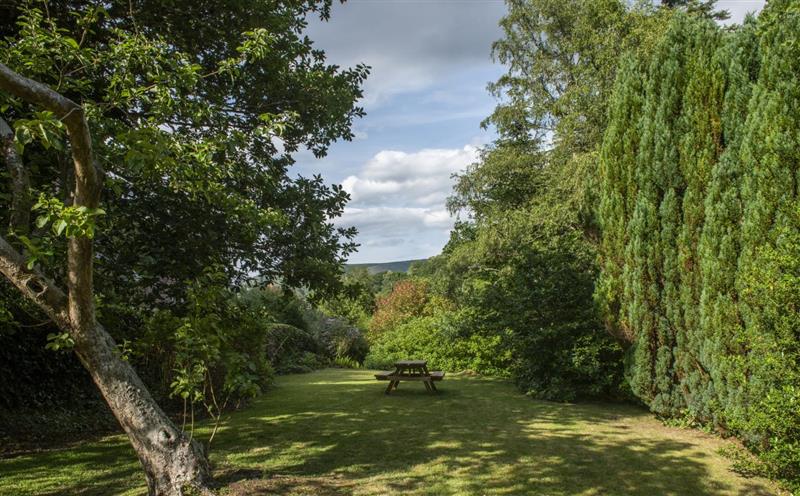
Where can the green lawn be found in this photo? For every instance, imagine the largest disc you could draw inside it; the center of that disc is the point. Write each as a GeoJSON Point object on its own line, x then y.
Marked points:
{"type": "Point", "coordinates": [335, 432]}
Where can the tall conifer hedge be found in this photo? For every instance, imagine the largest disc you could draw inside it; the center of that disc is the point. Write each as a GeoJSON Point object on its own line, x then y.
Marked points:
{"type": "Point", "coordinates": [700, 171]}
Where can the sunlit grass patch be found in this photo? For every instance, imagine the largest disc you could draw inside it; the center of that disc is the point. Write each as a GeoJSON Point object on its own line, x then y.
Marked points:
{"type": "Point", "coordinates": [334, 432]}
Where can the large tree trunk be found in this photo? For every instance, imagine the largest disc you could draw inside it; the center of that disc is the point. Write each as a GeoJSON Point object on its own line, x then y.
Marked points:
{"type": "Point", "coordinates": [172, 462]}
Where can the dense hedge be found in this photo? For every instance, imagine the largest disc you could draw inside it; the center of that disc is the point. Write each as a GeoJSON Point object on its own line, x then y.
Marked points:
{"type": "Point", "coordinates": [699, 209]}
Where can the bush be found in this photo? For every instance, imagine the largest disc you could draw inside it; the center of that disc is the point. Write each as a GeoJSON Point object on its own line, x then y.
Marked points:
{"type": "Point", "coordinates": [346, 363]}
{"type": "Point", "coordinates": [343, 340]}
{"type": "Point", "coordinates": [289, 349]}
{"type": "Point", "coordinates": [441, 340]}
{"type": "Point", "coordinates": [407, 300]}
{"type": "Point", "coordinates": [771, 417]}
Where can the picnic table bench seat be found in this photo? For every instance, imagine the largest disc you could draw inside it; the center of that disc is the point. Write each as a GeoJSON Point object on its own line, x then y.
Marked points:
{"type": "Point", "coordinates": [385, 375]}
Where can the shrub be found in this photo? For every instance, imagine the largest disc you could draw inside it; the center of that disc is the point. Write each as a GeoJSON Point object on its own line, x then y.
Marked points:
{"type": "Point", "coordinates": [771, 417]}
{"type": "Point", "coordinates": [407, 300]}
{"type": "Point", "coordinates": [343, 340]}
{"type": "Point", "coordinates": [442, 341]}
{"type": "Point", "coordinates": [289, 347]}
{"type": "Point", "coordinates": [344, 362]}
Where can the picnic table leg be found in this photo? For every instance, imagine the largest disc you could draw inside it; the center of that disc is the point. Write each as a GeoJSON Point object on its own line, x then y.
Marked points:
{"type": "Point", "coordinates": [427, 385]}
{"type": "Point", "coordinates": [433, 387]}
{"type": "Point", "coordinates": [393, 384]}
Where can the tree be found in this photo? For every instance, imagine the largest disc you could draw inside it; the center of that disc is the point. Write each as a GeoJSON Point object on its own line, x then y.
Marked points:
{"type": "Point", "coordinates": [169, 226]}
{"type": "Point", "coordinates": [407, 299]}
{"type": "Point", "coordinates": [562, 62]}
{"type": "Point", "coordinates": [171, 460]}
{"type": "Point", "coordinates": [189, 128]}
{"type": "Point", "coordinates": [674, 158]}
{"type": "Point", "coordinates": [618, 189]}
{"type": "Point", "coordinates": [709, 276]}
{"type": "Point", "coordinates": [506, 177]}
{"type": "Point", "coordinates": [721, 351]}
{"type": "Point", "coordinates": [767, 272]}
{"type": "Point", "coordinates": [700, 146]}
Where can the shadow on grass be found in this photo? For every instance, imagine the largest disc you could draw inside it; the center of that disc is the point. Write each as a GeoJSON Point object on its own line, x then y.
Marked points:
{"type": "Point", "coordinates": [474, 437]}
{"type": "Point", "coordinates": [102, 468]}
{"type": "Point", "coordinates": [334, 432]}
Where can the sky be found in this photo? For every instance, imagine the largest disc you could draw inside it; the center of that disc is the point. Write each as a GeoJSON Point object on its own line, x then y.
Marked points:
{"type": "Point", "coordinates": [425, 99]}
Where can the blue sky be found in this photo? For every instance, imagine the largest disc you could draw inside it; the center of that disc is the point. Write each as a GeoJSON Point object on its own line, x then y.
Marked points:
{"type": "Point", "coordinates": [425, 99]}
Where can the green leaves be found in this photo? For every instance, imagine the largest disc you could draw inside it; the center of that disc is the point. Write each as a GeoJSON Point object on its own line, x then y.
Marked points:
{"type": "Point", "coordinates": [43, 128]}
{"type": "Point", "coordinates": [60, 341]}
{"type": "Point", "coordinates": [188, 383]}
{"type": "Point", "coordinates": [195, 126]}
{"type": "Point", "coordinates": [694, 196]}
{"type": "Point", "coordinates": [39, 250]}
{"type": "Point", "coordinates": [256, 45]}
{"type": "Point", "coordinates": [69, 221]}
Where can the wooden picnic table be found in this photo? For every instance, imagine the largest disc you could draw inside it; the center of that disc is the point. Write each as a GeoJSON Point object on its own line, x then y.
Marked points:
{"type": "Point", "coordinates": [410, 370]}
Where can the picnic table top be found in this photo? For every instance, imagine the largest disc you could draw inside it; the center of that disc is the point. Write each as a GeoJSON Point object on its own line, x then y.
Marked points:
{"type": "Point", "coordinates": [410, 363]}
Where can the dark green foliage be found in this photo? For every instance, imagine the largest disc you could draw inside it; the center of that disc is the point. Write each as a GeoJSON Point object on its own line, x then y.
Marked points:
{"type": "Point", "coordinates": [33, 377]}
{"type": "Point", "coordinates": [617, 172]}
{"type": "Point", "coordinates": [767, 278]}
{"type": "Point", "coordinates": [652, 265]}
{"type": "Point", "coordinates": [43, 394]}
{"type": "Point", "coordinates": [342, 340]}
{"type": "Point", "coordinates": [709, 277]}
{"type": "Point", "coordinates": [720, 350]}
{"type": "Point", "coordinates": [541, 296]}
{"type": "Point", "coordinates": [700, 146]}
{"type": "Point", "coordinates": [769, 416]}
{"type": "Point", "coordinates": [292, 349]}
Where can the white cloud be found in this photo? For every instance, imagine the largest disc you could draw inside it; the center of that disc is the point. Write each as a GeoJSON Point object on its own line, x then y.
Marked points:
{"type": "Point", "coordinates": [398, 201]}
{"type": "Point", "coordinates": [419, 179]}
{"type": "Point", "coordinates": [392, 233]}
{"type": "Point", "coordinates": [396, 218]}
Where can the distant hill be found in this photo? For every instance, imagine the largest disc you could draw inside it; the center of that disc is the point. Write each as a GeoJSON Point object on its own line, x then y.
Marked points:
{"type": "Point", "coordinates": [376, 268]}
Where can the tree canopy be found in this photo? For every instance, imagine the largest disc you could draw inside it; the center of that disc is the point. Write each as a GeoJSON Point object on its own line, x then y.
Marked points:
{"type": "Point", "coordinates": [153, 142]}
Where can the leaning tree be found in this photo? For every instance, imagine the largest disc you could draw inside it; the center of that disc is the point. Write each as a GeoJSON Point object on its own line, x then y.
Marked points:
{"type": "Point", "coordinates": [130, 115]}
{"type": "Point", "coordinates": [171, 460]}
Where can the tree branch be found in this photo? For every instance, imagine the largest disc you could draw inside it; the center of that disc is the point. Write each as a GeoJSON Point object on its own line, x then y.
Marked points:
{"type": "Point", "coordinates": [33, 284]}
{"type": "Point", "coordinates": [80, 251]}
{"type": "Point", "coordinates": [72, 114]}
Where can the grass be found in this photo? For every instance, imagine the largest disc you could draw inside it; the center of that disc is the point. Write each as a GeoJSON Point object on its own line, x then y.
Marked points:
{"type": "Point", "coordinates": [334, 432]}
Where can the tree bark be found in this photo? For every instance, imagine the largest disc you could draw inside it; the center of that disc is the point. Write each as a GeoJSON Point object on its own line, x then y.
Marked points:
{"type": "Point", "coordinates": [20, 219]}
{"type": "Point", "coordinates": [172, 462]}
